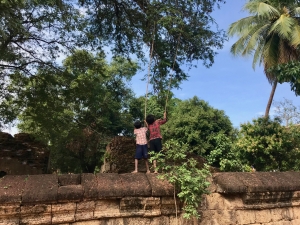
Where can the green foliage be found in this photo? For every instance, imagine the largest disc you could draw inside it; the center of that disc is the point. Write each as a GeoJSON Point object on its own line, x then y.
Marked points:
{"type": "Point", "coordinates": [271, 34]}
{"type": "Point", "coordinates": [195, 123]}
{"type": "Point", "coordinates": [184, 173]}
{"type": "Point", "coordinates": [225, 156]}
{"type": "Point", "coordinates": [34, 33]}
{"type": "Point", "coordinates": [77, 110]}
{"type": "Point", "coordinates": [288, 72]}
{"type": "Point", "coordinates": [268, 146]}
{"type": "Point", "coordinates": [178, 28]}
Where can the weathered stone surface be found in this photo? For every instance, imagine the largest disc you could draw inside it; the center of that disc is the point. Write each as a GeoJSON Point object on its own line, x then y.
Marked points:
{"type": "Point", "coordinates": [170, 206]}
{"type": "Point", "coordinates": [69, 179]}
{"type": "Point", "coordinates": [160, 187]}
{"type": "Point", "coordinates": [11, 188]}
{"type": "Point", "coordinates": [140, 206]}
{"type": "Point", "coordinates": [110, 199]}
{"type": "Point", "coordinates": [120, 156]}
{"type": "Point", "coordinates": [257, 182]}
{"type": "Point", "coordinates": [9, 221]}
{"type": "Point", "coordinates": [90, 186]}
{"type": "Point", "coordinates": [36, 214]}
{"type": "Point", "coordinates": [63, 213]}
{"type": "Point", "coordinates": [40, 188]}
{"type": "Point", "coordinates": [85, 210]}
{"type": "Point", "coordinates": [70, 193]}
{"type": "Point", "coordinates": [22, 154]}
{"type": "Point", "coordinates": [229, 183]}
{"type": "Point", "coordinates": [135, 184]}
{"type": "Point", "coordinates": [109, 185]}
{"type": "Point", "coordinates": [107, 208]}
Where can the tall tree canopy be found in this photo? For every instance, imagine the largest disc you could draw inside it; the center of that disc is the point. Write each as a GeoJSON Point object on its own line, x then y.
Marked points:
{"type": "Point", "coordinates": [77, 109]}
{"type": "Point", "coordinates": [180, 30]}
{"type": "Point", "coordinates": [35, 33]}
{"type": "Point", "coordinates": [196, 123]}
{"type": "Point", "coordinates": [271, 34]}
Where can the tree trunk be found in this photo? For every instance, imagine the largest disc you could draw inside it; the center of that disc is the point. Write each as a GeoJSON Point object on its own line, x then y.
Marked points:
{"type": "Point", "coordinates": [271, 99]}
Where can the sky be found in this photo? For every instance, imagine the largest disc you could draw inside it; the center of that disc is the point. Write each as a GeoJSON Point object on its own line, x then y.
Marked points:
{"type": "Point", "coordinates": [231, 84]}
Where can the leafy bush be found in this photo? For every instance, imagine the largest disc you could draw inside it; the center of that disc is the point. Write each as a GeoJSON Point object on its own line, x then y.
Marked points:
{"type": "Point", "coordinates": [268, 146]}
{"type": "Point", "coordinates": [185, 173]}
{"type": "Point", "coordinates": [225, 156]}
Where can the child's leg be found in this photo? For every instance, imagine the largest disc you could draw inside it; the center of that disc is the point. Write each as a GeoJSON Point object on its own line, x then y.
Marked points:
{"type": "Point", "coordinates": [136, 162]}
{"type": "Point", "coordinates": [154, 166]}
{"type": "Point", "coordinates": [138, 155]}
{"type": "Point", "coordinates": [157, 146]}
{"type": "Point", "coordinates": [147, 165]}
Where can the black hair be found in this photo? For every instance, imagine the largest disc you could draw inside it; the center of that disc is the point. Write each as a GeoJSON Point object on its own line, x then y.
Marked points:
{"type": "Point", "coordinates": [150, 119]}
{"type": "Point", "coordinates": [137, 124]}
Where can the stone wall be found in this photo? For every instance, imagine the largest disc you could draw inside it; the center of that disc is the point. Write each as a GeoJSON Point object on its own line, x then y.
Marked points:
{"type": "Point", "coordinates": [134, 199]}
{"type": "Point", "coordinates": [22, 154]}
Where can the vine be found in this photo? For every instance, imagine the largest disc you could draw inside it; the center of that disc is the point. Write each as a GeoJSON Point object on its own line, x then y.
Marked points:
{"type": "Point", "coordinates": [184, 172]}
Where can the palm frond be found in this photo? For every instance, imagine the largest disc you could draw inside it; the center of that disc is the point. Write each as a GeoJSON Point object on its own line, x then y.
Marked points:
{"type": "Point", "coordinates": [242, 26]}
{"type": "Point", "coordinates": [256, 38]}
{"type": "Point", "coordinates": [283, 26]}
{"type": "Point", "coordinates": [257, 56]}
{"type": "Point", "coordinates": [261, 9]}
{"type": "Point", "coordinates": [295, 38]}
{"type": "Point", "coordinates": [271, 51]}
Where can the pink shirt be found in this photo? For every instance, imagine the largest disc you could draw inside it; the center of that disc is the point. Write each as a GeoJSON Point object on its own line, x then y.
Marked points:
{"type": "Point", "coordinates": [154, 129]}
{"type": "Point", "coordinates": [140, 135]}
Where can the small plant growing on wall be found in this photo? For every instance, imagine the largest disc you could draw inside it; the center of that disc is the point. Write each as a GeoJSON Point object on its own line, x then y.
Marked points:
{"type": "Point", "coordinates": [185, 173]}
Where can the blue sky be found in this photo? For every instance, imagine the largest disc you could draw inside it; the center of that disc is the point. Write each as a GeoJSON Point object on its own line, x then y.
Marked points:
{"type": "Point", "coordinates": [230, 84]}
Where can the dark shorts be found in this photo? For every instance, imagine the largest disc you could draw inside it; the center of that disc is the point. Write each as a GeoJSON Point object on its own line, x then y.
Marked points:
{"type": "Point", "coordinates": [156, 145]}
{"type": "Point", "coordinates": [141, 152]}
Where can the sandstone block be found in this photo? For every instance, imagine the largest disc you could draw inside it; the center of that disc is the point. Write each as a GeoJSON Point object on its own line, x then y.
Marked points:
{"type": "Point", "coordinates": [85, 210]}
{"type": "Point", "coordinates": [138, 206]}
{"type": "Point", "coordinates": [106, 208]}
{"type": "Point", "coordinates": [160, 188]}
{"type": "Point", "coordinates": [40, 188]}
{"type": "Point", "coordinates": [296, 212]}
{"type": "Point", "coordinates": [135, 184]}
{"type": "Point", "coordinates": [168, 206]}
{"type": "Point", "coordinates": [11, 188]}
{"type": "Point", "coordinates": [12, 210]}
{"type": "Point", "coordinates": [70, 193]}
{"type": "Point", "coordinates": [63, 213]}
{"type": "Point", "coordinates": [9, 220]}
{"type": "Point", "coordinates": [90, 186]}
{"type": "Point", "coordinates": [245, 216]}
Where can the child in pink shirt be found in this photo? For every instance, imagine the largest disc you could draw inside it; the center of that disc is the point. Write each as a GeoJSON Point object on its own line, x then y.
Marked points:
{"type": "Point", "coordinates": [141, 145]}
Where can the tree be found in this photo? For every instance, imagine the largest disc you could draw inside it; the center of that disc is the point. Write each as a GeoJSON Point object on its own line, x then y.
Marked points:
{"type": "Point", "coordinates": [288, 72]}
{"type": "Point", "coordinates": [268, 146]}
{"type": "Point", "coordinates": [77, 110]}
{"type": "Point", "coordinates": [195, 123]}
{"type": "Point", "coordinates": [180, 31]}
{"type": "Point", "coordinates": [35, 33]}
{"type": "Point", "coordinates": [271, 34]}
{"type": "Point", "coordinates": [287, 112]}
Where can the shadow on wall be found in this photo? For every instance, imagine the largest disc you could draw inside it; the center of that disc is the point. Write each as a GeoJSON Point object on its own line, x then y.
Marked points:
{"type": "Point", "coordinates": [2, 173]}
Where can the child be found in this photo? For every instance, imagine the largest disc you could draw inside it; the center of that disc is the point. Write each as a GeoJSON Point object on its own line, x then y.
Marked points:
{"type": "Point", "coordinates": [141, 145]}
{"type": "Point", "coordinates": [155, 136]}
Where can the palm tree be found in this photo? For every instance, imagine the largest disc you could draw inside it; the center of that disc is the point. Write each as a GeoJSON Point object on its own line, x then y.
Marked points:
{"type": "Point", "coordinates": [271, 34]}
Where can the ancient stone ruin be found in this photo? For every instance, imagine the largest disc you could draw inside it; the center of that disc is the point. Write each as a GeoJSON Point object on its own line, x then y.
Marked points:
{"type": "Point", "coordinates": [260, 198]}
{"type": "Point", "coordinates": [22, 154]}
